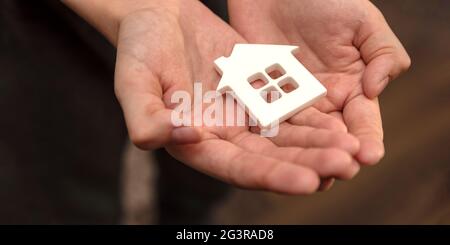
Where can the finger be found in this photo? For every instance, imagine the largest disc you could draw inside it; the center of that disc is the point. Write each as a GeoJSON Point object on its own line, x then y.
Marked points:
{"type": "Point", "coordinates": [228, 162]}
{"type": "Point", "coordinates": [317, 119]}
{"type": "Point", "coordinates": [327, 162]}
{"type": "Point", "coordinates": [363, 119]}
{"type": "Point", "coordinates": [140, 95]}
{"type": "Point", "coordinates": [308, 137]}
{"type": "Point", "coordinates": [383, 53]}
{"type": "Point", "coordinates": [185, 135]}
{"type": "Point", "coordinates": [380, 71]}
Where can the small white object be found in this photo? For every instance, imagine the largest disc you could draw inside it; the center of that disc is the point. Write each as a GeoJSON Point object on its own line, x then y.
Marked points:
{"type": "Point", "coordinates": [278, 69]}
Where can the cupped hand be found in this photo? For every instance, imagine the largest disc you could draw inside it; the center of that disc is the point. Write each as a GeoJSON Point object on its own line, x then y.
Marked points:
{"type": "Point", "coordinates": [168, 46]}
{"type": "Point", "coordinates": [346, 44]}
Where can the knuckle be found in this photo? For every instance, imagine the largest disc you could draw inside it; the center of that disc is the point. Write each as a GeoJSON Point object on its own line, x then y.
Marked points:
{"type": "Point", "coordinates": [141, 138]}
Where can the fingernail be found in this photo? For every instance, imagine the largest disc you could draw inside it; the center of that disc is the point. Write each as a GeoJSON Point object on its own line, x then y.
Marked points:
{"type": "Point", "coordinates": [384, 81]}
{"type": "Point", "coordinates": [382, 84]}
{"type": "Point", "coordinates": [326, 184]}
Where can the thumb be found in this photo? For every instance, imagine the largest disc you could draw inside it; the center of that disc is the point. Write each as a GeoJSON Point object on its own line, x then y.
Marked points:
{"type": "Point", "coordinates": [147, 117]}
{"type": "Point", "coordinates": [384, 55]}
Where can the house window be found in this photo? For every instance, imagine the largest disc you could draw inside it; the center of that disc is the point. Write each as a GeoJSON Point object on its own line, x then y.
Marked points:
{"type": "Point", "coordinates": [288, 85]}
{"type": "Point", "coordinates": [275, 71]}
{"type": "Point", "coordinates": [270, 94]}
{"type": "Point", "coordinates": [273, 83]}
{"type": "Point", "coordinates": [258, 80]}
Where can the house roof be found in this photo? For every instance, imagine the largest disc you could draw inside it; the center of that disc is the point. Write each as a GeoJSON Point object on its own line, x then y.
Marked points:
{"type": "Point", "coordinates": [243, 53]}
{"type": "Point", "coordinates": [251, 58]}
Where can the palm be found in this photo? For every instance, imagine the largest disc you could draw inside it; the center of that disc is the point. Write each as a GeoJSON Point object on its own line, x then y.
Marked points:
{"type": "Point", "coordinates": [340, 75]}
{"type": "Point", "coordinates": [326, 32]}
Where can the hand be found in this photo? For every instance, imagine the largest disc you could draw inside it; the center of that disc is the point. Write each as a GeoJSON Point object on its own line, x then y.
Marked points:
{"type": "Point", "coordinates": [346, 44]}
{"type": "Point", "coordinates": [177, 53]}
{"type": "Point", "coordinates": [167, 45]}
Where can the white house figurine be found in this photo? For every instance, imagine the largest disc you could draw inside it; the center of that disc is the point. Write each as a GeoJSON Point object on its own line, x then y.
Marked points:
{"type": "Point", "coordinates": [269, 81]}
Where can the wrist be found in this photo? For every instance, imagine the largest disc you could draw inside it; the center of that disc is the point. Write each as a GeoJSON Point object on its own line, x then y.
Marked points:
{"type": "Point", "coordinates": [102, 14]}
{"type": "Point", "coordinates": [107, 15]}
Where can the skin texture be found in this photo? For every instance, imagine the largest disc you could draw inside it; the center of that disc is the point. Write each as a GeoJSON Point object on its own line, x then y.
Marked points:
{"type": "Point", "coordinates": [164, 46]}
{"type": "Point", "coordinates": [161, 51]}
{"type": "Point", "coordinates": [346, 44]}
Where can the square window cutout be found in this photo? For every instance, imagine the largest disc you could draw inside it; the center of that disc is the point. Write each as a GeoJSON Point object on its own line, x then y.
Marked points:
{"type": "Point", "coordinates": [270, 94]}
{"type": "Point", "coordinates": [288, 85]}
{"type": "Point", "coordinates": [275, 71]}
{"type": "Point", "coordinates": [257, 80]}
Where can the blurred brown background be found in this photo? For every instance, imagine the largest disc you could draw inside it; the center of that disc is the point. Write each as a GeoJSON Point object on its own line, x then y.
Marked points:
{"type": "Point", "coordinates": [62, 137]}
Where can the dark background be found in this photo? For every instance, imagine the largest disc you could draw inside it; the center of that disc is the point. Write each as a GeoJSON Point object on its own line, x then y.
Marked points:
{"type": "Point", "coordinates": [62, 135]}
